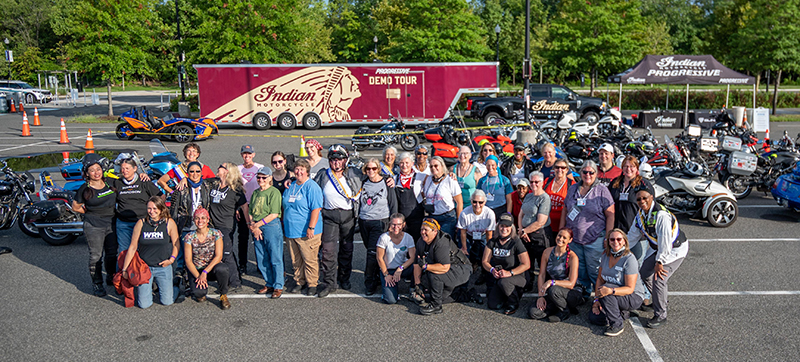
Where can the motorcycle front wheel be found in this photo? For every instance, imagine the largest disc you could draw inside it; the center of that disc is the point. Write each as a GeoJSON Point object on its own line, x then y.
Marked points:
{"type": "Point", "coordinates": [739, 185]}
{"type": "Point", "coordinates": [56, 239]}
{"type": "Point", "coordinates": [722, 213]}
{"type": "Point", "coordinates": [409, 142]}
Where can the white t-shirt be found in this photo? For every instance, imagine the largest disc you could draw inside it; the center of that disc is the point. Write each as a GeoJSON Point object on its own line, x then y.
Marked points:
{"type": "Point", "coordinates": [426, 171]}
{"type": "Point", "coordinates": [475, 225]}
{"type": "Point", "coordinates": [333, 199]}
{"type": "Point", "coordinates": [442, 194]}
{"type": "Point", "coordinates": [481, 167]}
{"type": "Point", "coordinates": [249, 179]}
{"type": "Point", "coordinates": [395, 255]}
{"type": "Point", "coordinates": [519, 173]}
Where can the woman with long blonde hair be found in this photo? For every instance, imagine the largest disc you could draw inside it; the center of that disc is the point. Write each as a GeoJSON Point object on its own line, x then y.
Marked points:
{"type": "Point", "coordinates": [226, 196]}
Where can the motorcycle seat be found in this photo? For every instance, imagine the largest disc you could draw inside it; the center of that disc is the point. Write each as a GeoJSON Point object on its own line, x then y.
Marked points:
{"type": "Point", "coordinates": [66, 195]}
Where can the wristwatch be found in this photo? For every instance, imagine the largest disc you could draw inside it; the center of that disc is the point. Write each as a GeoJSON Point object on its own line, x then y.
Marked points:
{"type": "Point", "coordinates": [512, 272]}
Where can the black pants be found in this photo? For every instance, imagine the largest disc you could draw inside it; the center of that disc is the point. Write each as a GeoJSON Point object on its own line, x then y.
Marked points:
{"type": "Point", "coordinates": [102, 242]}
{"type": "Point", "coordinates": [220, 273]}
{"type": "Point", "coordinates": [244, 239]}
{"type": "Point", "coordinates": [560, 298]}
{"type": "Point", "coordinates": [505, 290]}
{"type": "Point", "coordinates": [229, 259]}
{"type": "Point", "coordinates": [616, 309]}
{"type": "Point", "coordinates": [539, 241]}
{"type": "Point", "coordinates": [500, 210]}
{"type": "Point", "coordinates": [438, 287]}
{"type": "Point", "coordinates": [371, 230]}
{"type": "Point", "coordinates": [336, 263]}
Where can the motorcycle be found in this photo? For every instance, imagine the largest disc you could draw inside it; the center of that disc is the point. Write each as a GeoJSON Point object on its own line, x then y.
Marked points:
{"type": "Point", "coordinates": [558, 129]}
{"type": "Point", "coordinates": [786, 190]}
{"type": "Point", "coordinates": [58, 224]}
{"type": "Point", "coordinates": [15, 200]}
{"type": "Point", "coordinates": [385, 136]}
{"type": "Point", "coordinates": [768, 167]}
{"type": "Point", "coordinates": [689, 190]}
{"type": "Point", "coordinates": [182, 130]}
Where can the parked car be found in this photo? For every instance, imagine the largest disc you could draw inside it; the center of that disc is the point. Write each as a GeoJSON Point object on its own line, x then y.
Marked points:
{"type": "Point", "coordinates": [29, 94]}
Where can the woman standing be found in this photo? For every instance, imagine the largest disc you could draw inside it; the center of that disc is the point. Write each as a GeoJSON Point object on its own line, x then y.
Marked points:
{"type": "Point", "coordinates": [226, 197]}
{"type": "Point", "coordinates": [203, 253]}
{"type": "Point", "coordinates": [556, 187]}
{"type": "Point", "coordinates": [534, 219]}
{"type": "Point", "coordinates": [623, 190]}
{"type": "Point", "coordinates": [395, 255]}
{"type": "Point", "coordinates": [497, 188]}
{"type": "Point", "coordinates": [279, 174]}
{"type": "Point", "coordinates": [521, 189]}
{"type": "Point", "coordinates": [265, 213]}
{"type": "Point", "coordinates": [467, 174]}
{"type": "Point", "coordinates": [421, 160]}
{"type": "Point", "coordinates": [442, 197]}
{"type": "Point", "coordinates": [589, 212]}
{"type": "Point", "coordinates": [155, 237]}
{"type": "Point", "coordinates": [132, 196]}
{"type": "Point", "coordinates": [408, 189]}
{"type": "Point", "coordinates": [558, 295]}
{"type": "Point", "coordinates": [302, 227]}
{"type": "Point", "coordinates": [378, 202]}
{"type": "Point", "coordinates": [191, 152]}
{"type": "Point", "coordinates": [618, 289]}
{"type": "Point", "coordinates": [507, 260]}
{"type": "Point", "coordinates": [487, 149]}
{"type": "Point", "coordinates": [548, 152]}
{"type": "Point", "coordinates": [388, 166]}
{"type": "Point", "coordinates": [315, 160]}
{"type": "Point", "coordinates": [95, 200]}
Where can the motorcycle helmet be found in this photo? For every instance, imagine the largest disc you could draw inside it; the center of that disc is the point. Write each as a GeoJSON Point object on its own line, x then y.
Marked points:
{"type": "Point", "coordinates": [338, 151]}
{"type": "Point", "coordinates": [463, 140]}
{"type": "Point", "coordinates": [619, 160]}
{"type": "Point", "coordinates": [646, 171]}
{"type": "Point", "coordinates": [498, 149]}
{"type": "Point", "coordinates": [694, 169]}
{"type": "Point", "coordinates": [92, 159]}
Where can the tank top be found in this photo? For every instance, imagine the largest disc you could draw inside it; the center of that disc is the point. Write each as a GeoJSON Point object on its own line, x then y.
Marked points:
{"type": "Point", "coordinates": [557, 266]}
{"type": "Point", "coordinates": [557, 197]}
{"type": "Point", "coordinates": [155, 244]}
{"type": "Point", "coordinates": [467, 183]}
{"type": "Point", "coordinates": [280, 184]}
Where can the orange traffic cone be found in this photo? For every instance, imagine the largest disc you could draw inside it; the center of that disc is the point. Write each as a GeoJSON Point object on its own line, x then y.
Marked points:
{"type": "Point", "coordinates": [64, 138]}
{"type": "Point", "coordinates": [303, 152]}
{"type": "Point", "coordinates": [766, 146]}
{"type": "Point", "coordinates": [26, 128]}
{"type": "Point", "coordinates": [89, 146]}
{"type": "Point", "coordinates": [21, 107]}
{"type": "Point", "coordinates": [13, 107]}
{"type": "Point", "coordinates": [36, 117]}
{"type": "Point", "coordinates": [65, 154]}
{"type": "Point", "coordinates": [744, 120]}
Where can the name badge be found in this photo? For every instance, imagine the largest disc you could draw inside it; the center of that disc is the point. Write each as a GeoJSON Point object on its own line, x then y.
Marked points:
{"type": "Point", "coordinates": [618, 268]}
{"type": "Point", "coordinates": [477, 235]}
{"type": "Point", "coordinates": [489, 197]}
{"type": "Point", "coordinates": [573, 214]}
{"type": "Point", "coordinates": [582, 202]}
{"type": "Point", "coordinates": [292, 198]}
{"type": "Point", "coordinates": [623, 196]}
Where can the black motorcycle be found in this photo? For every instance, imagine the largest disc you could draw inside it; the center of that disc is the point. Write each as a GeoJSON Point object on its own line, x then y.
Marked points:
{"type": "Point", "coordinates": [57, 223]}
{"type": "Point", "coordinates": [15, 199]}
{"type": "Point", "coordinates": [769, 166]}
{"type": "Point", "coordinates": [389, 134]}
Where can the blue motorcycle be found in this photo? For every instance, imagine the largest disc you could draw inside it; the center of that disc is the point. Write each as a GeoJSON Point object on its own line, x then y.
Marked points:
{"type": "Point", "coordinates": [786, 189]}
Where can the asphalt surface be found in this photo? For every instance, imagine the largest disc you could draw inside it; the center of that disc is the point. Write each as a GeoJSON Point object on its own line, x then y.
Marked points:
{"type": "Point", "coordinates": [734, 297]}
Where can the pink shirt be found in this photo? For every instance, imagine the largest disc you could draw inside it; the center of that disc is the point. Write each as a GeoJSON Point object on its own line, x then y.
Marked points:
{"type": "Point", "coordinates": [249, 179]}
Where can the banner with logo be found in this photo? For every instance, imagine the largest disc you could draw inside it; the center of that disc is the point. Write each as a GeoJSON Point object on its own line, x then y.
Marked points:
{"type": "Point", "coordinates": [680, 69]}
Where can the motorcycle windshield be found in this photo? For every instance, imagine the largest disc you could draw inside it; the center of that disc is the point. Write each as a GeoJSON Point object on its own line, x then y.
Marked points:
{"type": "Point", "coordinates": [156, 147]}
{"type": "Point", "coordinates": [673, 150]}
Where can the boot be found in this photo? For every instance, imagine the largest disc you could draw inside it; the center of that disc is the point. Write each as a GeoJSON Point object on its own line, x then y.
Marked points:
{"type": "Point", "coordinates": [96, 272]}
{"type": "Point", "coordinates": [99, 290]}
{"type": "Point", "coordinates": [223, 302]}
{"type": "Point", "coordinates": [111, 268]}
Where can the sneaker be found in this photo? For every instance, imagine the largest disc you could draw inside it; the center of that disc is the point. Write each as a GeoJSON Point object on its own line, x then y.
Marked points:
{"type": "Point", "coordinates": [430, 309]}
{"type": "Point", "coordinates": [324, 291]}
{"type": "Point", "coordinates": [99, 290]}
{"type": "Point", "coordinates": [614, 331]}
{"type": "Point", "coordinates": [511, 309]}
{"type": "Point", "coordinates": [201, 299]}
{"type": "Point", "coordinates": [311, 291]}
{"type": "Point", "coordinates": [536, 313]}
{"type": "Point", "coordinates": [224, 303]}
{"type": "Point", "coordinates": [296, 289]}
{"type": "Point", "coordinates": [656, 322]}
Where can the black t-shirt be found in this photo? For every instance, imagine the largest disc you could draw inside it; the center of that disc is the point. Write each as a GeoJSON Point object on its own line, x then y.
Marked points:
{"type": "Point", "coordinates": [99, 204]}
{"type": "Point", "coordinates": [506, 255]}
{"type": "Point", "coordinates": [222, 205]}
{"type": "Point", "coordinates": [155, 245]}
{"type": "Point", "coordinates": [132, 199]}
{"type": "Point", "coordinates": [625, 209]}
{"type": "Point", "coordinates": [437, 252]}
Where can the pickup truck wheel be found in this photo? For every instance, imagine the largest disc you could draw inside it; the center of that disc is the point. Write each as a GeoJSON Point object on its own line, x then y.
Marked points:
{"type": "Point", "coordinates": [591, 117]}
{"type": "Point", "coordinates": [491, 116]}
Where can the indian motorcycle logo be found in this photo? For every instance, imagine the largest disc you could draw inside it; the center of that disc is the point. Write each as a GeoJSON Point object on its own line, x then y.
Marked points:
{"type": "Point", "coordinates": [544, 106]}
{"type": "Point", "coordinates": [327, 91]}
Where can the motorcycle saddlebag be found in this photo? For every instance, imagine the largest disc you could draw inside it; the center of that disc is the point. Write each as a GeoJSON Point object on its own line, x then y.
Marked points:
{"type": "Point", "coordinates": [362, 130]}
{"type": "Point", "coordinates": [49, 210]}
{"type": "Point", "coordinates": [742, 163]}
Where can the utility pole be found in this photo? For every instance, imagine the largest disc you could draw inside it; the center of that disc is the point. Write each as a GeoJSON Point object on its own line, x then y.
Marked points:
{"type": "Point", "coordinates": [181, 55]}
{"type": "Point", "coordinates": [526, 66]}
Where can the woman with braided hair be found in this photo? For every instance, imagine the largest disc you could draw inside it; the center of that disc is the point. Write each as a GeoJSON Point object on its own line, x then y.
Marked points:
{"type": "Point", "coordinates": [558, 295]}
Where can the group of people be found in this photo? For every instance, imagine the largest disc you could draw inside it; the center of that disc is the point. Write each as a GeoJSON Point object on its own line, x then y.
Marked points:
{"type": "Point", "coordinates": [602, 233]}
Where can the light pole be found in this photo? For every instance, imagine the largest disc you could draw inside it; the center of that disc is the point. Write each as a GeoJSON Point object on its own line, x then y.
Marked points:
{"type": "Point", "coordinates": [8, 81]}
{"type": "Point", "coordinates": [497, 31]}
{"type": "Point", "coordinates": [375, 41]}
{"type": "Point", "coordinates": [181, 54]}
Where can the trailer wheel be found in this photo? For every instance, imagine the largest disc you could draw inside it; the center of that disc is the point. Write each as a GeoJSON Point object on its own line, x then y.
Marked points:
{"type": "Point", "coordinates": [261, 121]}
{"type": "Point", "coordinates": [286, 121]}
{"type": "Point", "coordinates": [311, 121]}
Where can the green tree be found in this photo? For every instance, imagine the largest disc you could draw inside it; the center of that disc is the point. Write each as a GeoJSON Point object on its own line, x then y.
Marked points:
{"type": "Point", "coordinates": [353, 30]}
{"type": "Point", "coordinates": [430, 31]}
{"type": "Point", "coordinates": [105, 38]}
{"type": "Point", "coordinates": [599, 36]}
{"type": "Point", "coordinates": [683, 20]}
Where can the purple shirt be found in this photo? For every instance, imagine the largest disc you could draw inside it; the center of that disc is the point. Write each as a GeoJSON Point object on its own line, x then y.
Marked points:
{"type": "Point", "coordinates": [590, 223]}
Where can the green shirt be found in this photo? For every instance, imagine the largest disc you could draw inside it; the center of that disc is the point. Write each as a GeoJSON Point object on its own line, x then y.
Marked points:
{"type": "Point", "coordinates": [265, 202]}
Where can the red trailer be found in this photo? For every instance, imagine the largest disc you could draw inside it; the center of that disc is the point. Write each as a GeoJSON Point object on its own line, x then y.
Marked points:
{"type": "Point", "coordinates": [313, 95]}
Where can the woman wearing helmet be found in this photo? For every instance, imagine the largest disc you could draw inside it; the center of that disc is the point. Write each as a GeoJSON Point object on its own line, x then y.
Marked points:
{"type": "Point", "coordinates": [96, 200]}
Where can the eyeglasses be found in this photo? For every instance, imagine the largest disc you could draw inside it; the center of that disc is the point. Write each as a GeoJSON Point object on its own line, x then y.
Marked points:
{"type": "Point", "coordinates": [371, 168]}
{"type": "Point", "coordinates": [195, 171]}
{"type": "Point", "coordinates": [478, 202]}
{"type": "Point", "coordinates": [421, 153]}
{"type": "Point", "coordinates": [615, 239]}
{"type": "Point", "coordinates": [277, 162]}
{"type": "Point", "coordinates": [587, 172]}
{"type": "Point", "coordinates": [560, 167]}
{"type": "Point", "coordinates": [262, 177]}
{"type": "Point", "coordinates": [464, 153]}
{"type": "Point", "coordinates": [536, 181]}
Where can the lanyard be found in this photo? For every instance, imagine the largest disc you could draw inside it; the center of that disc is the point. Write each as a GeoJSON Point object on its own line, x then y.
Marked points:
{"type": "Point", "coordinates": [386, 170]}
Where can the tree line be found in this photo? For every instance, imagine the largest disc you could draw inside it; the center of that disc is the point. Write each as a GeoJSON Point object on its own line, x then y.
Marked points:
{"type": "Point", "coordinates": [105, 40]}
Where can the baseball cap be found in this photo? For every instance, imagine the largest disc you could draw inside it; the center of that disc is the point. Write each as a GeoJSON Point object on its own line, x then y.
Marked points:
{"type": "Point", "coordinates": [519, 146]}
{"type": "Point", "coordinates": [247, 149]}
{"type": "Point", "coordinates": [264, 171]}
{"type": "Point", "coordinates": [506, 219]}
{"type": "Point", "coordinates": [607, 147]}
{"type": "Point", "coordinates": [522, 181]}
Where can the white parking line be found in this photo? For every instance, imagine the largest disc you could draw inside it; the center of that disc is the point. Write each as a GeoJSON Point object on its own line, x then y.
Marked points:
{"type": "Point", "coordinates": [735, 293]}
{"type": "Point", "coordinates": [717, 240]}
{"type": "Point", "coordinates": [759, 206]}
{"type": "Point", "coordinates": [526, 295]}
{"type": "Point", "coordinates": [651, 350]}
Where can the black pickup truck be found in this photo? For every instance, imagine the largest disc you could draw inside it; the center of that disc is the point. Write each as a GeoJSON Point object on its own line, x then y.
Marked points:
{"type": "Point", "coordinates": [546, 100]}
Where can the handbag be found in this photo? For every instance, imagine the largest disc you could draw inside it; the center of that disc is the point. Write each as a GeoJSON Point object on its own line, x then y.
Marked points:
{"type": "Point", "coordinates": [138, 270]}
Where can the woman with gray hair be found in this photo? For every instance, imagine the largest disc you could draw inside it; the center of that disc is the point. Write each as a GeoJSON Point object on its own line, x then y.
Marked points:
{"type": "Point", "coordinates": [408, 189]}
{"type": "Point", "coordinates": [476, 225]}
{"type": "Point", "coordinates": [534, 219]}
{"type": "Point", "coordinates": [388, 165]}
{"type": "Point", "coordinates": [589, 212]}
{"type": "Point", "coordinates": [442, 196]}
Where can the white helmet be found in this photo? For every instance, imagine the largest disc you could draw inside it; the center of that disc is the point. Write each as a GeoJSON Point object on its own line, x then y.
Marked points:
{"type": "Point", "coordinates": [694, 169]}
{"type": "Point", "coordinates": [619, 160]}
{"type": "Point", "coordinates": [646, 171]}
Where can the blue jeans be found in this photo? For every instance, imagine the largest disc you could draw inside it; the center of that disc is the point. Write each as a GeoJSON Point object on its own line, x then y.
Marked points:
{"type": "Point", "coordinates": [390, 293]}
{"type": "Point", "coordinates": [163, 278]}
{"type": "Point", "coordinates": [447, 222]}
{"type": "Point", "coordinates": [124, 234]}
{"type": "Point", "coordinates": [269, 254]}
{"type": "Point", "coordinates": [589, 262]}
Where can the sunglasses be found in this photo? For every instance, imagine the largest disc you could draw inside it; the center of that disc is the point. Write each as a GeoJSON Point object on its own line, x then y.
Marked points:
{"type": "Point", "coordinates": [262, 177]}
{"type": "Point", "coordinates": [536, 181]}
{"type": "Point", "coordinates": [643, 198]}
{"type": "Point", "coordinates": [615, 239]}
{"type": "Point", "coordinates": [371, 168]}
{"type": "Point", "coordinates": [277, 162]}
{"type": "Point", "coordinates": [223, 166]}
{"type": "Point", "coordinates": [421, 153]}
{"type": "Point", "coordinates": [585, 172]}
{"type": "Point", "coordinates": [196, 171]}
{"type": "Point", "coordinates": [479, 202]}
{"type": "Point", "coordinates": [560, 167]}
